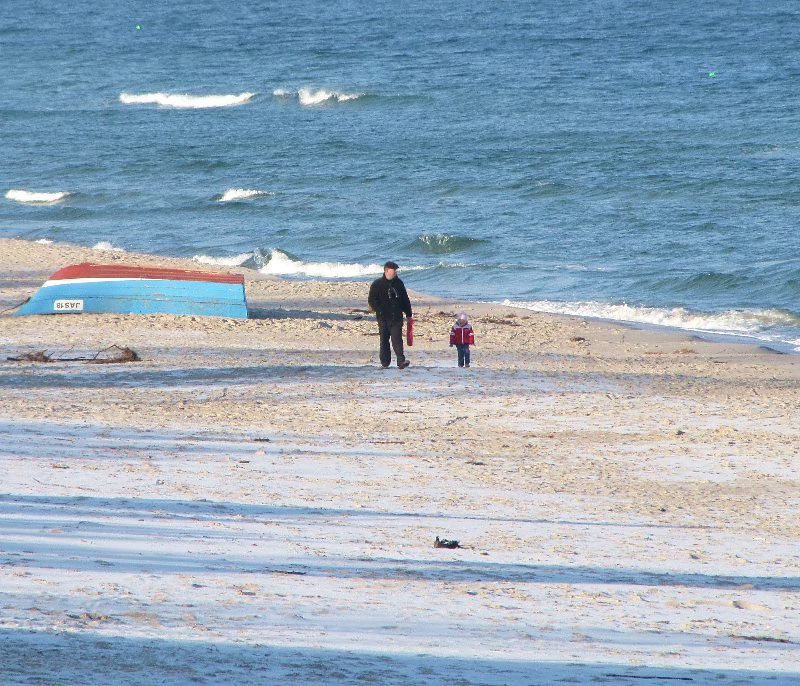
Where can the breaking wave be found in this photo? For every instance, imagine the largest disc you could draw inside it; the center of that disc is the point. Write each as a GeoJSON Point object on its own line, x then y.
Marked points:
{"type": "Point", "coordinates": [279, 263]}
{"type": "Point", "coordinates": [233, 261]}
{"type": "Point", "coordinates": [34, 198]}
{"type": "Point", "coordinates": [309, 97]}
{"type": "Point", "coordinates": [731, 322]}
{"type": "Point", "coordinates": [106, 245]}
{"type": "Point", "coordinates": [184, 101]}
{"type": "Point", "coordinates": [444, 243]}
{"type": "Point", "coordinates": [233, 194]}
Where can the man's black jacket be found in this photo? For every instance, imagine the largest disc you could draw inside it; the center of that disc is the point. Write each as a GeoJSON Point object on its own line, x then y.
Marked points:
{"type": "Point", "coordinates": [389, 299]}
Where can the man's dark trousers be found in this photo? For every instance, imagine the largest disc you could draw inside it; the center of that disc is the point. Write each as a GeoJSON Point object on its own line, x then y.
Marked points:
{"type": "Point", "coordinates": [391, 331]}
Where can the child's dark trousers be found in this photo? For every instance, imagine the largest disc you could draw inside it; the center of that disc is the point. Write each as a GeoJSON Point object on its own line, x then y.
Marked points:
{"type": "Point", "coordinates": [463, 354]}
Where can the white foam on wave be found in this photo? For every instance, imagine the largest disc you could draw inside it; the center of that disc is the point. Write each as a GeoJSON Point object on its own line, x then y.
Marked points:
{"type": "Point", "coordinates": [308, 97]}
{"type": "Point", "coordinates": [43, 241]}
{"type": "Point", "coordinates": [280, 264]}
{"type": "Point", "coordinates": [730, 322]}
{"type": "Point", "coordinates": [233, 194]}
{"type": "Point", "coordinates": [34, 197]}
{"type": "Point", "coordinates": [233, 261]}
{"type": "Point", "coordinates": [185, 101]}
{"type": "Point", "coordinates": [106, 245]}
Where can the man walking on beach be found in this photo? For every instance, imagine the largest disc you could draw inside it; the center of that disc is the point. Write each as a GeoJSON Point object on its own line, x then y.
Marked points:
{"type": "Point", "coordinates": [389, 300]}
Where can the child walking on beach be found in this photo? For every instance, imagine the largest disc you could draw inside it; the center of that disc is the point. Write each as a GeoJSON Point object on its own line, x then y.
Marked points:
{"type": "Point", "coordinates": [462, 336]}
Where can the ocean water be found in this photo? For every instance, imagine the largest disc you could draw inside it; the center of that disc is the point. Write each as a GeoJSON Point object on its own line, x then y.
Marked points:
{"type": "Point", "coordinates": [619, 159]}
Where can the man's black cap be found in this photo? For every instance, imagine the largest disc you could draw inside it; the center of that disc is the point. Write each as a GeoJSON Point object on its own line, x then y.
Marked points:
{"type": "Point", "coordinates": [391, 265]}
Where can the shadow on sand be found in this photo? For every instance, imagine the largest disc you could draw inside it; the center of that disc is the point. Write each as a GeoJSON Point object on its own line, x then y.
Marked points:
{"type": "Point", "coordinates": [30, 520]}
{"type": "Point", "coordinates": [94, 659]}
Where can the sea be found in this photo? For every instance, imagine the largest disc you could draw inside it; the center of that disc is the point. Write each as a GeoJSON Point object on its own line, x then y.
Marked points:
{"type": "Point", "coordinates": [616, 159]}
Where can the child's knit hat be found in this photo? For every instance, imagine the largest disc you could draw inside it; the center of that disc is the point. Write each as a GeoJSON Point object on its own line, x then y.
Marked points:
{"type": "Point", "coordinates": [462, 317]}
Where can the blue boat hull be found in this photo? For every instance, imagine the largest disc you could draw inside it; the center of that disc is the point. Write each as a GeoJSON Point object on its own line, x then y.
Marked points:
{"type": "Point", "coordinates": [139, 296]}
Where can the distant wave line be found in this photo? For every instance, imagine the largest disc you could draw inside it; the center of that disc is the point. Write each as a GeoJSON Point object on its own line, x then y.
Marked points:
{"type": "Point", "coordinates": [36, 198]}
{"type": "Point", "coordinates": [185, 101]}
{"type": "Point", "coordinates": [242, 194]}
{"type": "Point", "coordinates": [309, 97]}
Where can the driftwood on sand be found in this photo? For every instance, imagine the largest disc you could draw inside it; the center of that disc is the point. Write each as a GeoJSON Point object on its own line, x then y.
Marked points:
{"type": "Point", "coordinates": [122, 354]}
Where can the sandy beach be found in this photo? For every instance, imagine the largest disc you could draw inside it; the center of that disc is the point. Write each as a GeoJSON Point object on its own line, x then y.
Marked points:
{"type": "Point", "coordinates": [256, 501]}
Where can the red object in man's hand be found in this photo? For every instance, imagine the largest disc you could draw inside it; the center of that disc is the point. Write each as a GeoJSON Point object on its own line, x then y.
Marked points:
{"type": "Point", "coordinates": [410, 332]}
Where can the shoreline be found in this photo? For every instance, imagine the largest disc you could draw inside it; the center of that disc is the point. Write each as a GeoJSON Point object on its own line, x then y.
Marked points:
{"type": "Point", "coordinates": [61, 254]}
{"type": "Point", "coordinates": [624, 500]}
{"type": "Point", "coordinates": [778, 347]}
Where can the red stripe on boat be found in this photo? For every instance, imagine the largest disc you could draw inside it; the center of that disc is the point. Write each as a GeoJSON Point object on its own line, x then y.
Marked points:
{"type": "Point", "coordinates": [89, 270]}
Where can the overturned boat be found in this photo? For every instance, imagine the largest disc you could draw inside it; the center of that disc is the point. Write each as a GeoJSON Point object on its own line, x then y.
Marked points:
{"type": "Point", "coordinates": [128, 289]}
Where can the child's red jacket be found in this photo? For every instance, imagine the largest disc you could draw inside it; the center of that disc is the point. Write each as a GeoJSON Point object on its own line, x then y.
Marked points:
{"type": "Point", "coordinates": [462, 335]}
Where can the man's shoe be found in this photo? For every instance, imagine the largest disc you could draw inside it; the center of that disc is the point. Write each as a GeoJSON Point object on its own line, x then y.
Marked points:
{"type": "Point", "coordinates": [403, 364]}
